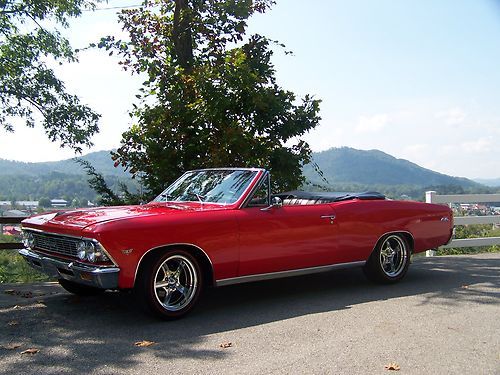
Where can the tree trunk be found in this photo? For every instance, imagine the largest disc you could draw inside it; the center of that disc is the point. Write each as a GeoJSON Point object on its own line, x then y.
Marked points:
{"type": "Point", "coordinates": [182, 35]}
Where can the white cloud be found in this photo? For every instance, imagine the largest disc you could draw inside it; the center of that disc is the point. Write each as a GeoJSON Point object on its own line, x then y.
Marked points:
{"type": "Point", "coordinates": [452, 116]}
{"type": "Point", "coordinates": [481, 145]}
{"type": "Point", "coordinates": [373, 123]}
{"type": "Point", "coordinates": [416, 150]}
{"type": "Point", "coordinates": [325, 137]}
{"type": "Point", "coordinates": [447, 150]}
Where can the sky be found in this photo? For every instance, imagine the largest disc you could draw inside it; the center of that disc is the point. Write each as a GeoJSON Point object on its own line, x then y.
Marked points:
{"type": "Point", "coordinates": [417, 79]}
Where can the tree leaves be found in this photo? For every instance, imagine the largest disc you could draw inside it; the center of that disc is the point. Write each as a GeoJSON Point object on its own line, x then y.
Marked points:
{"type": "Point", "coordinates": [28, 87]}
{"type": "Point", "coordinates": [144, 343]}
{"type": "Point", "coordinates": [392, 366]}
{"type": "Point", "coordinates": [207, 102]}
{"type": "Point", "coordinates": [11, 346]}
{"type": "Point", "coordinates": [97, 182]}
{"type": "Point", "coordinates": [30, 351]}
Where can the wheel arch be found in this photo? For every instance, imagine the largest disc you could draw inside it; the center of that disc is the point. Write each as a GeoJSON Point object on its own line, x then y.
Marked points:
{"type": "Point", "coordinates": [199, 254]}
{"type": "Point", "coordinates": [406, 235]}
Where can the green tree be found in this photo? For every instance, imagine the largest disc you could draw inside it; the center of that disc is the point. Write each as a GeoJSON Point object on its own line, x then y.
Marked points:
{"type": "Point", "coordinates": [211, 98]}
{"type": "Point", "coordinates": [27, 84]}
{"type": "Point", "coordinates": [76, 203]}
{"type": "Point", "coordinates": [44, 202]}
{"type": "Point", "coordinates": [107, 196]}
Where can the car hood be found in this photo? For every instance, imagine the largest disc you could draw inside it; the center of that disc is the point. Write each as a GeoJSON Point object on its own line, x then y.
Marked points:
{"type": "Point", "coordinates": [81, 218]}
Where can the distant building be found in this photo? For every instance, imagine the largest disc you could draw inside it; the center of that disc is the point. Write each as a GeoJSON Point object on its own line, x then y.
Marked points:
{"type": "Point", "coordinates": [32, 205]}
{"type": "Point", "coordinates": [58, 203]}
{"type": "Point", "coordinates": [28, 205]}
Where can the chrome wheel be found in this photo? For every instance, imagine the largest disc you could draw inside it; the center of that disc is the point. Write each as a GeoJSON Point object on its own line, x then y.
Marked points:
{"type": "Point", "coordinates": [393, 256]}
{"type": "Point", "coordinates": [175, 283]}
{"type": "Point", "coordinates": [389, 261]}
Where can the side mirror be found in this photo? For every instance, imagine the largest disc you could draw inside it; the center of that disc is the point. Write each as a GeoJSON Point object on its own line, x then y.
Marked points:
{"type": "Point", "coordinates": [276, 202]}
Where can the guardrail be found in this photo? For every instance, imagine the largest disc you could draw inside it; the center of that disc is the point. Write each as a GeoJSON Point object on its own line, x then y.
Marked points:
{"type": "Point", "coordinates": [433, 197]}
{"type": "Point", "coordinates": [11, 220]}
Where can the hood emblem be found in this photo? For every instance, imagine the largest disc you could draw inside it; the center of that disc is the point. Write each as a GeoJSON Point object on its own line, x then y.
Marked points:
{"type": "Point", "coordinates": [127, 251]}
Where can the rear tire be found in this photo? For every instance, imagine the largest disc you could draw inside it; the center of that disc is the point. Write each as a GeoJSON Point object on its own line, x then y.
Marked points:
{"type": "Point", "coordinates": [389, 261]}
{"type": "Point", "coordinates": [169, 284]}
{"type": "Point", "coordinates": [79, 289]}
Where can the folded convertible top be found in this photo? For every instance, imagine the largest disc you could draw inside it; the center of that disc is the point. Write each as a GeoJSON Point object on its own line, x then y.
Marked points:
{"type": "Point", "coordinates": [327, 197]}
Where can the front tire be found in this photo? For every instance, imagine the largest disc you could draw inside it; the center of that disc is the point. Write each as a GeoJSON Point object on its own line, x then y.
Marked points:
{"type": "Point", "coordinates": [389, 261]}
{"type": "Point", "coordinates": [169, 284]}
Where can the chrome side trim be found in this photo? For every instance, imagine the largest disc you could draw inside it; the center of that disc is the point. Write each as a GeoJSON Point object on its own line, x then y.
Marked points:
{"type": "Point", "coordinates": [171, 245]}
{"type": "Point", "coordinates": [280, 274]}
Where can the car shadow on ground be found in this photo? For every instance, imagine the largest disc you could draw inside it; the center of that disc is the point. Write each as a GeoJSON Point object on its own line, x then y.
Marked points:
{"type": "Point", "coordinates": [81, 335]}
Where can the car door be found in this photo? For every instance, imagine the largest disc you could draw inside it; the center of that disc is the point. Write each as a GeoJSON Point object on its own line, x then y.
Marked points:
{"type": "Point", "coordinates": [286, 238]}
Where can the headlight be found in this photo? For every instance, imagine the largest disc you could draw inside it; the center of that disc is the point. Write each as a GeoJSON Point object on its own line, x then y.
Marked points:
{"type": "Point", "coordinates": [28, 240]}
{"type": "Point", "coordinates": [91, 251]}
{"type": "Point", "coordinates": [81, 253]}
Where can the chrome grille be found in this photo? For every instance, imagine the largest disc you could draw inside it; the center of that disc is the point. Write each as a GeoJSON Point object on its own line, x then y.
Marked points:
{"type": "Point", "coordinates": [60, 245]}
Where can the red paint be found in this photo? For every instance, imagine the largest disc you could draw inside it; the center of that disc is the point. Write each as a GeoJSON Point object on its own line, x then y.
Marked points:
{"type": "Point", "coordinates": [246, 241]}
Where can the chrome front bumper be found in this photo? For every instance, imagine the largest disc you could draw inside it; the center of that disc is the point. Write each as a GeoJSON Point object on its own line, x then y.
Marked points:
{"type": "Point", "coordinates": [98, 277]}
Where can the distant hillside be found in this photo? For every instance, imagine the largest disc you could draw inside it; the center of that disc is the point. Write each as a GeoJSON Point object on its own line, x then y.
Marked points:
{"type": "Point", "coordinates": [55, 185]}
{"type": "Point", "coordinates": [346, 169]}
{"type": "Point", "coordinates": [101, 161]}
{"type": "Point", "coordinates": [58, 179]}
{"type": "Point", "coordinates": [350, 166]}
{"type": "Point", "coordinates": [488, 182]}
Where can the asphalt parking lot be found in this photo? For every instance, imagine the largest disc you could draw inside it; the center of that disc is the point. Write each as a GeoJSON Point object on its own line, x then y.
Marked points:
{"type": "Point", "coordinates": [443, 318]}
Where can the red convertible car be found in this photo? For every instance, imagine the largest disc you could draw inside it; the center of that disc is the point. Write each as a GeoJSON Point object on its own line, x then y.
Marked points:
{"type": "Point", "coordinates": [215, 227]}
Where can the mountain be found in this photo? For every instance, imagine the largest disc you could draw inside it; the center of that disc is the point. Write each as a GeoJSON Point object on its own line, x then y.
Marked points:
{"type": "Point", "coordinates": [350, 166]}
{"type": "Point", "coordinates": [346, 169]}
{"type": "Point", "coordinates": [101, 160]}
{"type": "Point", "coordinates": [340, 166]}
{"type": "Point", "coordinates": [59, 179]}
{"type": "Point", "coordinates": [494, 182]}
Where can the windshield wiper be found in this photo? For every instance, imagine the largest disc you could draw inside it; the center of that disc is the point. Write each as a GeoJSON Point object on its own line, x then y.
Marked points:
{"type": "Point", "coordinates": [199, 197]}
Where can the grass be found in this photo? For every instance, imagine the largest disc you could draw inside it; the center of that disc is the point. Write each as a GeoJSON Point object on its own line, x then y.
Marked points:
{"type": "Point", "coordinates": [473, 231]}
{"type": "Point", "coordinates": [14, 269]}
{"type": "Point", "coordinates": [468, 250]}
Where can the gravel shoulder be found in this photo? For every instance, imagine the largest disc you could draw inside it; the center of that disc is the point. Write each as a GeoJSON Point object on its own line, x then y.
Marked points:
{"type": "Point", "coordinates": [444, 317]}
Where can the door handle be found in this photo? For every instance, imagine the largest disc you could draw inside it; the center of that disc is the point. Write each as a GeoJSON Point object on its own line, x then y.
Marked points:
{"type": "Point", "coordinates": [331, 217]}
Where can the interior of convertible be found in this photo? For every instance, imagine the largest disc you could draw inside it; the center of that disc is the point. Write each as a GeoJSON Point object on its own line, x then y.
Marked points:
{"type": "Point", "coordinates": [301, 198]}
{"type": "Point", "coordinates": [298, 197]}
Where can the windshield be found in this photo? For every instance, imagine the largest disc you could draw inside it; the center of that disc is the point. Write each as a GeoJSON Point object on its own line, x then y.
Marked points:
{"type": "Point", "coordinates": [222, 186]}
